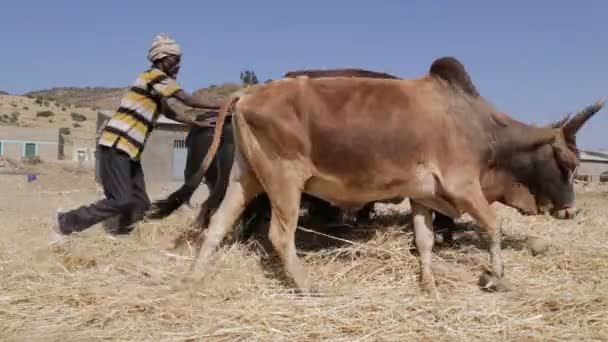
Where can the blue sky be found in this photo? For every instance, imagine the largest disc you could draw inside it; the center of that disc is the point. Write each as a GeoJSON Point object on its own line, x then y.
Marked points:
{"type": "Point", "coordinates": [535, 60]}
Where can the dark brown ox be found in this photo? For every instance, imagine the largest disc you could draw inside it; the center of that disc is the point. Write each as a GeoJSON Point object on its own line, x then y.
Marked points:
{"type": "Point", "coordinates": [351, 141]}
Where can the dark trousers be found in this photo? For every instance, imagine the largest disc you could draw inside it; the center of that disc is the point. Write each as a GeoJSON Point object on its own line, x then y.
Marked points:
{"type": "Point", "coordinates": [125, 191]}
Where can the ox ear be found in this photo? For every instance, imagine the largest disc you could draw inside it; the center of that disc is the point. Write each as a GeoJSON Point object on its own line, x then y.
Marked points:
{"type": "Point", "coordinates": [573, 125]}
{"type": "Point", "coordinates": [562, 122]}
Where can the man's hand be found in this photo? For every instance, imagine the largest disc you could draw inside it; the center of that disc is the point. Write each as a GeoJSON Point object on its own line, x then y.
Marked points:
{"type": "Point", "coordinates": [202, 124]}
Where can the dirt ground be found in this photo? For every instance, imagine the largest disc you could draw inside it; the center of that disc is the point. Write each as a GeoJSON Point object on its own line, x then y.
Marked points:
{"type": "Point", "coordinates": [94, 288]}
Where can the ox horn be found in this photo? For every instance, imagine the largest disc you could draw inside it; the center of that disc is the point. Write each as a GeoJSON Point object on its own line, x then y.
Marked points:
{"type": "Point", "coordinates": [571, 127]}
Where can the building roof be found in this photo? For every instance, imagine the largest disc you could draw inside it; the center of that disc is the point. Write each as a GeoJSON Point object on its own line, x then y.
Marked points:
{"type": "Point", "coordinates": [29, 134]}
{"type": "Point", "coordinates": [593, 156]}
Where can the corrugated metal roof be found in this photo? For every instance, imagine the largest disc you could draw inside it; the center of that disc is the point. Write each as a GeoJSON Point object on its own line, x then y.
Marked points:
{"type": "Point", "coordinates": [593, 156]}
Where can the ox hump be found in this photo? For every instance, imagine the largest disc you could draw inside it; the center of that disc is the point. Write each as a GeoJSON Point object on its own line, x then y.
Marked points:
{"type": "Point", "coordinates": [452, 71]}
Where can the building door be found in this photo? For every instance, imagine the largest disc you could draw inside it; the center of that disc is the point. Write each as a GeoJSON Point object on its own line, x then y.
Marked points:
{"type": "Point", "coordinates": [30, 150]}
{"type": "Point", "coordinates": [180, 154]}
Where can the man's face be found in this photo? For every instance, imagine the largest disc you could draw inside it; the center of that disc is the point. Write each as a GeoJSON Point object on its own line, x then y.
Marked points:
{"type": "Point", "coordinates": [171, 65]}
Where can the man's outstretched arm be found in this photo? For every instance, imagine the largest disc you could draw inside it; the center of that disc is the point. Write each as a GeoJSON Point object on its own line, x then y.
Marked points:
{"type": "Point", "coordinates": [192, 101]}
{"type": "Point", "coordinates": [171, 110]}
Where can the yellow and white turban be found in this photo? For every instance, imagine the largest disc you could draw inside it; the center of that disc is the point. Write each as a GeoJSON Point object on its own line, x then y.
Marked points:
{"type": "Point", "coordinates": [163, 46]}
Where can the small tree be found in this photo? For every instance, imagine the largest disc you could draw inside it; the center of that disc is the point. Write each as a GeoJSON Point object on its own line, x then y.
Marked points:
{"type": "Point", "coordinates": [14, 117]}
{"type": "Point", "coordinates": [249, 77]}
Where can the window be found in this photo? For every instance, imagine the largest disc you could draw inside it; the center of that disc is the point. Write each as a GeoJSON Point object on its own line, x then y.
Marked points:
{"type": "Point", "coordinates": [179, 144]}
{"type": "Point", "coordinates": [30, 150]}
{"type": "Point", "coordinates": [0, 148]}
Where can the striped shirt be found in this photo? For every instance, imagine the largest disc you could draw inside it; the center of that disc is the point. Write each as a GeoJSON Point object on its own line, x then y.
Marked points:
{"type": "Point", "coordinates": [132, 123]}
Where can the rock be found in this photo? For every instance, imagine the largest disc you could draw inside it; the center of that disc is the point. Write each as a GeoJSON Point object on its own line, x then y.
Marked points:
{"type": "Point", "coordinates": [537, 246]}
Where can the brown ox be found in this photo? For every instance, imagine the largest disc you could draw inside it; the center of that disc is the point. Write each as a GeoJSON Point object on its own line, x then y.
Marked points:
{"type": "Point", "coordinates": [497, 185]}
{"type": "Point", "coordinates": [351, 141]}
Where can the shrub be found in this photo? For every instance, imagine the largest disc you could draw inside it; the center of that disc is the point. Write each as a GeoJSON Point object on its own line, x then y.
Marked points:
{"type": "Point", "coordinates": [78, 117]}
{"type": "Point", "coordinates": [76, 125]}
{"type": "Point", "coordinates": [31, 160]}
{"type": "Point", "coordinates": [65, 131]}
{"type": "Point", "coordinates": [38, 101]}
{"type": "Point", "coordinates": [45, 113]}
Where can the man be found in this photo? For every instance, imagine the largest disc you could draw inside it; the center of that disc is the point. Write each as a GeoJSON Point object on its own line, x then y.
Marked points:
{"type": "Point", "coordinates": [123, 139]}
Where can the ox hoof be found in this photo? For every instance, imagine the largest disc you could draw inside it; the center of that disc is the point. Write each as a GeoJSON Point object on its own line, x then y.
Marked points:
{"type": "Point", "coordinates": [491, 283]}
{"type": "Point", "coordinates": [428, 285]}
{"type": "Point", "coordinates": [566, 214]}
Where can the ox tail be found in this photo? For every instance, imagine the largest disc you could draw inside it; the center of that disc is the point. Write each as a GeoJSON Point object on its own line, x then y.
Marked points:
{"type": "Point", "coordinates": [163, 208]}
{"type": "Point", "coordinates": [196, 179]}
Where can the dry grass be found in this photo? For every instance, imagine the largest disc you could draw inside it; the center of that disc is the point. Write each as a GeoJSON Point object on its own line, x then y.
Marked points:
{"type": "Point", "coordinates": [94, 288]}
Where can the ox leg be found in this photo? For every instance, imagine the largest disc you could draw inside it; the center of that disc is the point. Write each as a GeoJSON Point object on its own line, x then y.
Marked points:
{"type": "Point", "coordinates": [282, 232]}
{"type": "Point", "coordinates": [422, 218]}
{"type": "Point", "coordinates": [481, 211]}
{"type": "Point", "coordinates": [242, 188]}
{"type": "Point", "coordinates": [285, 201]}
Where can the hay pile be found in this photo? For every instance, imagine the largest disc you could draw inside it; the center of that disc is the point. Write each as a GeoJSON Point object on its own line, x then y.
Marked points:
{"type": "Point", "coordinates": [129, 289]}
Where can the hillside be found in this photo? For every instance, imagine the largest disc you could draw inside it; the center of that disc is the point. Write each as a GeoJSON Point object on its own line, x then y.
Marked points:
{"type": "Point", "coordinates": [77, 122]}
{"type": "Point", "coordinates": [109, 98]}
{"type": "Point", "coordinates": [93, 97]}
